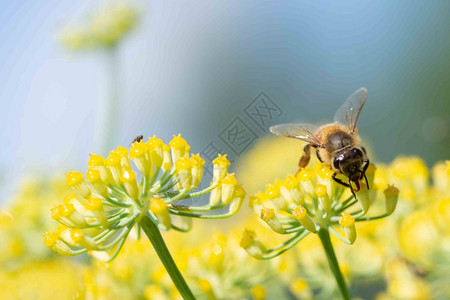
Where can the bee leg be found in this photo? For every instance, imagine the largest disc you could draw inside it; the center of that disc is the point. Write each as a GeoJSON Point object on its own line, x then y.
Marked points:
{"type": "Point", "coordinates": [304, 160]}
{"type": "Point", "coordinates": [339, 181]}
{"type": "Point", "coordinates": [363, 173]}
{"type": "Point", "coordinates": [318, 155]}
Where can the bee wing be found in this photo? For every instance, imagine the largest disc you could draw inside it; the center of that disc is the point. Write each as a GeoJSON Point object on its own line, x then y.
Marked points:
{"type": "Point", "coordinates": [348, 113]}
{"type": "Point", "coordinates": [301, 131]}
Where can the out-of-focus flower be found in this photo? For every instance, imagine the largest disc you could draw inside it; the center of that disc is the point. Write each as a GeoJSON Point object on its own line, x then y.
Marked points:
{"type": "Point", "coordinates": [302, 204]}
{"type": "Point", "coordinates": [24, 219]}
{"type": "Point", "coordinates": [103, 28]}
{"type": "Point", "coordinates": [45, 279]}
{"type": "Point", "coordinates": [217, 265]}
{"type": "Point", "coordinates": [271, 158]}
{"type": "Point", "coordinates": [113, 198]}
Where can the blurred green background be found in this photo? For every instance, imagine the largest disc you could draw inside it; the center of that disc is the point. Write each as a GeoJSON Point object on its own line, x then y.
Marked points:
{"type": "Point", "coordinates": [194, 67]}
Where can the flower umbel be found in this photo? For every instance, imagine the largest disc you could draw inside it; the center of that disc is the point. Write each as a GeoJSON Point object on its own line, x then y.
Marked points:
{"type": "Point", "coordinates": [113, 198]}
{"type": "Point", "coordinates": [303, 204]}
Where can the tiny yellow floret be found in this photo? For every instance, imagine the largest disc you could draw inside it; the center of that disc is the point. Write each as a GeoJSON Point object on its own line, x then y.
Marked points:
{"type": "Point", "coordinates": [138, 150]}
{"type": "Point", "coordinates": [154, 141]}
{"type": "Point", "coordinates": [95, 160]}
{"type": "Point", "coordinates": [291, 182]}
{"type": "Point", "coordinates": [92, 175]}
{"type": "Point", "coordinates": [321, 190]}
{"type": "Point", "coordinates": [77, 235]}
{"type": "Point", "coordinates": [122, 151]}
{"type": "Point", "coordinates": [299, 212]}
{"type": "Point", "coordinates": [324, 172]}
{"type": "Point", "coordinates": [247, 239]}
{"type": "Point", "coordinates": [50, 239]}
{"type": "Point", "coordinates": [346, 220]}
{"type": "Point", "coordinates": [64, 210]}
{"type": "Point", "coordinates": [178, 142]}
{"type": "Point", "coordinates": [273, 190]}
{"type": "Point", "coordinates": [267, 214]}
{"type": "Point", "coordinates": [93, 203]}
{"type": "Point", "coordinates": [128, 176]}
{"type": "Point", "coordinates": [230, 179]}
{"type": "Point", "coordinates": [305, 175]}
{"type": "Point", "coordinates": [113, 159]}
{"type": "Point", "coordinates": [73, 178]}
{"type": "Point", "coordinates": [197, 160]}
{"type": "Point", "coordinates": [222, 160]}
{"type": "Point", "coordinates": [183, 164]}
{"type": "Point", "coordinates": [391, 191]}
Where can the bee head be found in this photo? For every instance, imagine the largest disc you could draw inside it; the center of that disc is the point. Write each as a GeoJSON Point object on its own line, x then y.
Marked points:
{"type": "Point", "coordinates": [349, 163]}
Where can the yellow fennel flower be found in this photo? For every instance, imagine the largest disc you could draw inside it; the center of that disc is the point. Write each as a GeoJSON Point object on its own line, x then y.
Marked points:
{"type": "Point", "coordinates": [104, 208]}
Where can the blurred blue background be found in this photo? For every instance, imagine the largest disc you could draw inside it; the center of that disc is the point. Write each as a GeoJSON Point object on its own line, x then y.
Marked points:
{"type": "Point", "coordinates": [193, 67]}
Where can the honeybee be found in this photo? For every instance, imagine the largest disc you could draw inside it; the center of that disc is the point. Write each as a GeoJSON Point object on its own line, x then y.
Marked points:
{"type": "Point", "coordinates": [337, 144]}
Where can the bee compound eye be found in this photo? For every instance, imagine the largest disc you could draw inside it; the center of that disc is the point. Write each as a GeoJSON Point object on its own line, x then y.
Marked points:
{"type": "Point", "coordinates": [337, 162]}
{"type": "Point", "coordinates": [357, 153]}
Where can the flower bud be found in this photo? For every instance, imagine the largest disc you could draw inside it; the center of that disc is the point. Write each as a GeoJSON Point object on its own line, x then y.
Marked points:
{"type": "Point", "coordinates": [178, 146]}
{"type": "Point", "coordinates": [156, 151]}
{"type": "Point", "coordinates": [93, 176]}
{"type": "Point", "coordinates": [221, 164]}
{"type": "Point", "coordinates": [252, 244]}
{"type": "Point", "coordinates": [365, 197]}
{"type": "Point", "coordinates": [348, 223]}
{"type": "Point", "coordinates": [215, 195]}
{"type": "Point", "coordinates": [98, 163]}
{"type": "Point", "coordinates": [75, 180]}
{"type": "Point", "coordinates": [290, 190]}
{"type": "Point", "coordinates": [167, 162]}
{"type": "Point", "coordinates": [306, 178]}
{"type": "Point", "coordinates": [95, 205]}
{"type": "Point", "coordinates": [161, 211]}
{"type": "Point", "coordinates": [197, 169]}
{"type": "Point", "coordinates": [236, 203]}
{"type": "Point", "coordinates": [229, 184]}
{"type": "Point", "coordinates": [52, 241]}
{"type": "Point", "coordinates": [268, 216]}
{"type": "Point", "coordinates": [128, 178]}
{"type": "Point", "coordinates": [391, 195]}
{"type": "Point", "coordinates": [138, 153]}
{"type": "Point", "coordinates": [184, 172]}
{"type": "Point", "coordinates": [302, 216]}
{"type": "Point", "coordinates": [324, 199]}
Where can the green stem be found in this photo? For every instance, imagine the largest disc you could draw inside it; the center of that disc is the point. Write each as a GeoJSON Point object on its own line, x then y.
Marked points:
{"type": "Point", "coordinates": [108, 108]}
{"type": "Point", "coordinates": [153, 234]}
{"type": "Point", "coordinates": [324, 236]}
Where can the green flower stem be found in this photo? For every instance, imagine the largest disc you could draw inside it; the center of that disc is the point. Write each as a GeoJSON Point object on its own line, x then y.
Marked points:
{"type": "Point", "coordinates": [324, 236]}
{"type": "Point", "coordinates": [153, 234]}
{"type": "Point", "coordinates": [108, 108]}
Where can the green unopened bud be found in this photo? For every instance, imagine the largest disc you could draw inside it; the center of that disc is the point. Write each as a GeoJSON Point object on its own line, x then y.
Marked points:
{"type": "Point", "coordinates": [391, 195]}
{"type": "Point", "coordinates": [268, 216]}
{"type": "Point", "coordinates": [252, 244]}
{"type": "Point", "coordinates": [302, 216]}
{"type": "Point", "coordinates": [348, 223]}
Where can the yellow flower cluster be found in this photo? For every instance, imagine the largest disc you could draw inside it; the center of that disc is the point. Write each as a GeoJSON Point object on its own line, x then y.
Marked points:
{"type": "Point", "coordinates": [302, 204]}
{"type": "Point", "coordinates": [112, 197]}
{"type": "Point", "coordinates": [104, 28]}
